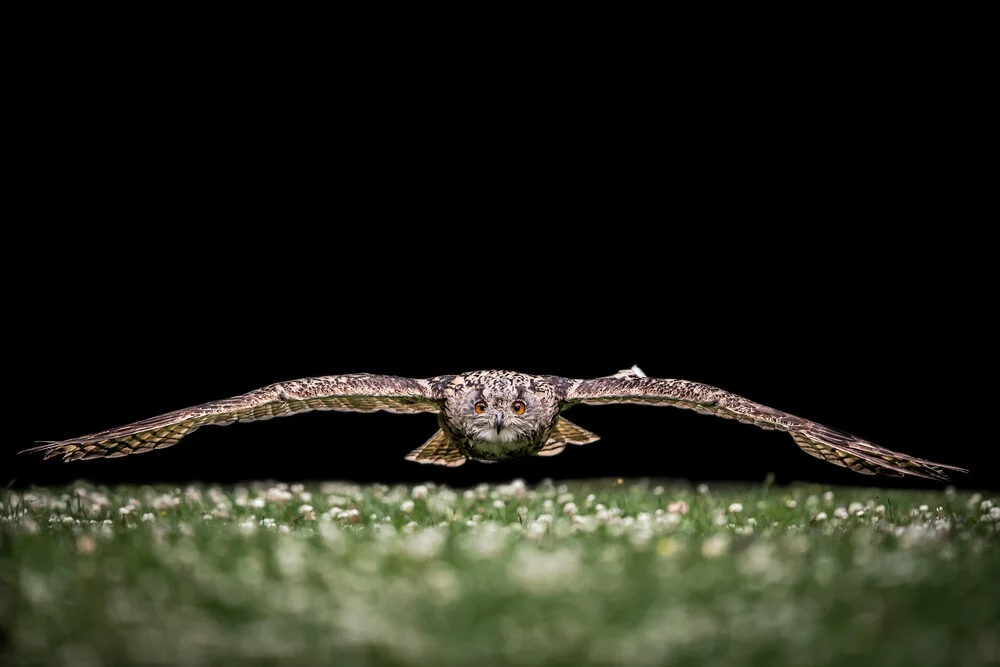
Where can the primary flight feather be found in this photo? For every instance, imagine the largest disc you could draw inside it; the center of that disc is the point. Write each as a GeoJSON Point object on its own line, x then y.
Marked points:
{"type": "Point", "coordinates": [490, 416]}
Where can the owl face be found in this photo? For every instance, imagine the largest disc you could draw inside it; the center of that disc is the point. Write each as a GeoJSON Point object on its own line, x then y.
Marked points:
{"type": "Point", "coordinates": [501, 412]}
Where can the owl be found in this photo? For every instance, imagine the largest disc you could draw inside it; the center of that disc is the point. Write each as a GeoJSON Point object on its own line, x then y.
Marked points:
{"type": "Point", "coordinates": [491, 416]}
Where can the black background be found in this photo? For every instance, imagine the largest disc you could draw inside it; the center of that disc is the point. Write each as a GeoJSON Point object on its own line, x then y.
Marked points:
{"type": "Point", "coordinates": [808, 242]}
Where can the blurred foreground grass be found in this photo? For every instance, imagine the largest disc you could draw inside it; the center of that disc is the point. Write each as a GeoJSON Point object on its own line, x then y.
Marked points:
{"type": "Point", "coordinates": [602, 572]}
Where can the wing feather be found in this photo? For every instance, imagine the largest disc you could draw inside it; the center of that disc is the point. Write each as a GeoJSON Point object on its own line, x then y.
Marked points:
{"type": "Point", "coordinates": [359, 392]}
{"type": "Point", "coordinates": [834, 446]}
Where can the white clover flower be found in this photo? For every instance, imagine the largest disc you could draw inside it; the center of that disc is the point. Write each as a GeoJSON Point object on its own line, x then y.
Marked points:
{"type": "Point", "coordinates": [469, 495]}
{"type": "Point", "coordinates": [985, 505]}
{"type": "Point", "coordinates": [535, 530]}
{"type": "Point", "coordinates": [812, 501]}
{"type": "Point", "coordinates": [547, 506]}
{"type": "Point", "coordinates": [306, 497]}
{"type": "Point", "coordinates": [569, 509]}
{"type": "Point", "coordinates": [854, 508]}
{"type": "Point", "coordinates": [974, 499]}
{"type": "Point", "coordinates": [33, 501]}
{"type": "Point", "coordinates": [924, 508]}
{"type": "Point", "coordinates": [148, 516]}
{"type": "Point", "coordinates": [107, 522]}
{"type": "Point", "coordinates": [859, 513]}
{"type": "Point", "coordinates": [719, 518]}
{"type": "Point", "coordinates": [880, 510]}
{"type": "Point", "coordinates": [840, 513]}
{"type": "Point", "coordinates": [206, 517]}
{"type": "Point", "coordinates": [914, 512]}
{"type": "Point", "coordinates": [67, 520]}
{"type": "Point", "coordinates": [715, 546]}
{"type": "Point", "coordinates": [703, 489]}
{"type": "Point", "coordinates": [678, 507]}
{"type": "Point", "coordinates": [166, 501]}
{"type": "Point", "coordinates": [410, 527]}
{"type": "Point", "coordinates": [994, 513]}
{"type": "Point", "coordinates": [124, 510]}
{"type": "Point", "coordinates": [751, 521]}
{"type": "Point", "coordinates": [602, 515]}
{"type": "Point", "coordinates": [257, 502]}
{"type": "Point", "coordinates": [590, 499]}
{"type": "Point", "coordinates": [542, 572]}
{"type": "Point", "coordinates": [828, 498]}
{"type": "Point", "coordinates": [305, 509]}
{"type": "Point", "coordinates": [406, 506]}
{"type": "Point", "coordinates": [564, 498]}
{"type": "Point", "coordinates": [278, 494]}
{"type": "Point", "coordinates": [790, 503]}
{"type": "Point", "coordinates": [298, 488]}
{"type": "Point", "coordinates": [821, 516]}
{"type": "Point", "coordinates": [499, 504]}
{"type": "Point", "coordinates": [352, 515]}
{"type": "Point", "coordinates": [658, 490]}
{"type": "Point", "coordinates": [423, 544]}
{"type": "Point", "coordinates": [736, 508]}
{"type": "Point", "coordinates": [284, 529]}
{"type": "Point", "coordinates": [419, 492]}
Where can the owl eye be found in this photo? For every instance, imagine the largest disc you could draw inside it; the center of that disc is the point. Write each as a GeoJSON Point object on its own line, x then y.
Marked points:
{"type": "Point", "coordinates": [518, 407]}
{"type": "Point", "coordinates": [480, 407]}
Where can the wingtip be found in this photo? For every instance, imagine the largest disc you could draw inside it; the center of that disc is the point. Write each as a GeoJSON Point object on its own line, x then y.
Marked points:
{"type": "Point", "coordinates": [41, 446]}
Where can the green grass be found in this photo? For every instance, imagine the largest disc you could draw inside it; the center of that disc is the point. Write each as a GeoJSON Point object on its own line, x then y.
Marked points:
{"type": "Point", "coordinates": [638, 575]}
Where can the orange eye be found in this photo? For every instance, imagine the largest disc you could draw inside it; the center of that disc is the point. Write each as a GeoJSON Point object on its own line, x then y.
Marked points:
{"type": "Point", "coordinates": [518, 407]}
{"type": "Point", "coordinates": [480, 407]}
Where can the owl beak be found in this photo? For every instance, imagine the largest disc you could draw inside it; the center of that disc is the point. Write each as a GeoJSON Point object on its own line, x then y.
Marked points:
{"type": "Point", "coordinates": [499, 421]}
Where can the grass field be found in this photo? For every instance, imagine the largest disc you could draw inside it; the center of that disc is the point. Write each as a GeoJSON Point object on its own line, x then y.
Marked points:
{"type": "Point", "coordinates": [603, 572]}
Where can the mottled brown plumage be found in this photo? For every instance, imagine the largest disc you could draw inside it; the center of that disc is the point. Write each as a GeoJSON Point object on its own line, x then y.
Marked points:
{"type": "Point", "coordinates": [490, 416]}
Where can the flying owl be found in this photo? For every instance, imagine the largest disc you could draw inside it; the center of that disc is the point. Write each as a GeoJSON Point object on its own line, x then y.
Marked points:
{"type": "Point", "coordinates": [490, 416]}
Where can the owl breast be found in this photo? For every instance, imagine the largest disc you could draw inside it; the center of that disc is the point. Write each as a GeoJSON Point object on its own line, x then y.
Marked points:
{"type": "Point", "coordinates": [488, 445]}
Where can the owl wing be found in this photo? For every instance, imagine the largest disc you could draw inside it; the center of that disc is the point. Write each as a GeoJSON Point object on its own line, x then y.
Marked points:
{"type": "Point", "coordinates": [837, 447]}
{"type": "Point", "coordinates": [359, 392]}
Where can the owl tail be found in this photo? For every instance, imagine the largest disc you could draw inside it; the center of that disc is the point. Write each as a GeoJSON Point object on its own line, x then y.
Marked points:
{"type": "Point", "coordinates": [439, 450]}
{"type": "Point", "coordinates": [565, 433]}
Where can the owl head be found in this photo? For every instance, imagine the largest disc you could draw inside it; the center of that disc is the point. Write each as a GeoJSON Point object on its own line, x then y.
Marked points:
{"type": "Point", "coordinates": [503, 408]}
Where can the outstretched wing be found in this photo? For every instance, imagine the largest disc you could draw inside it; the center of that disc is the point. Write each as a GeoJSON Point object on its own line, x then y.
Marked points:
{"type": "Point", "coordinates": [834, 446]}
{"type": "Point", "coordinates": [359, 392]}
